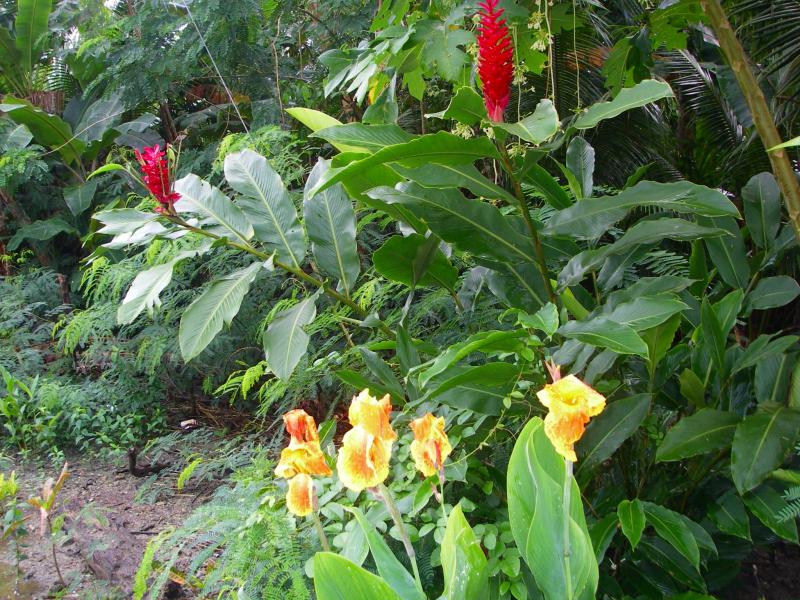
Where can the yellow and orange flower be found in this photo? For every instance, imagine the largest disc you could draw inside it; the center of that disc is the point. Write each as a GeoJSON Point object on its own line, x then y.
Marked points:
{"type": "Point", "coordinates": [430, 446]}
{"type": "Point", "coordinates": [572, 403]}
{"type": "Point", "coordinates": [301, 459]}
{"type": "Point", "coordinates": [366, 449]}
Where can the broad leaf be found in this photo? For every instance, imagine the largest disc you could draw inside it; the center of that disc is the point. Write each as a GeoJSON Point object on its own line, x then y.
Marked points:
{"type": "Point", "coordinates": [641, 94]}
{"type": "Point", "coordinates": [537, 127]}
{"type": "Point", "coordinates": [762, 209]}
{"type": "Point", "coordinates": [481, 389]}
{"type": "Point", "coordinates": [767, 505]}
{"type": "Point", "coordinates": [123, 220]}
{"type": "Point", "coordinates": [607, 431]}
{"type": "Point", "coordinates": [40, 231]}
{"type": "Point", "coordinates": [673, 528]}
{"type": "Point", "coordinates": [79, 197]}
{"type": "Point", "coordinates": [15, 138]}
{"type": "Point", "coordinates": [200, 197]}
{"type": "Point", "coordinates": [538, 177]}
{"type": "Point", "coordinates": [536, 478]}
{"type": "Point", "coordinates": [728, 253]}
{"type": "Point", "coordinates": [364, 138]}
{"type": "Point", "coordinates": [217, 305]}
{"type": "Point", "coordinates": [706, 430]}
{"type": "Point", "coordinates": [331, 225]}
{"type": "Point", "coordinates": [730, 517]}
{"type": "Point", "coordinates": [466, 573]}
{"type": "Point", "coordinates": [461, 176]}
{"type": "Point", "coordinates": [602, 533]}
{"type": "Point", "coordinates": [48, 130]}
{"type": "Point", "coordinates": [395, 260]}
{"type": "Point", "coordinates": [646, 312]}
{"type": "Point", "coordinates": [762, 348]}
{"type": "Point", "coordinates": [580, 161]}
{"type": "Point", "coordinates": [760, 444]}
{"type": "Point", "coordinates": [518, 285]}
{"type": "Point", "coordinates": [591, 219]}
{"type": "Point", "coordinates": [285, 341]}
{"type": "Point", "coordinates": [266, 203]}
{"type": "Point", "coordinates": [30, 25]}
{"type": "Point", "coordinates": [604, 333]}
{"type": "Point", "coordinates": [337, 578]}
{"type": "Point", "coordinates": [772, 292]}
{"type": "Point", "coordinates": [466, 106]}
{"type": "Point", "coordinates": [632, 520]}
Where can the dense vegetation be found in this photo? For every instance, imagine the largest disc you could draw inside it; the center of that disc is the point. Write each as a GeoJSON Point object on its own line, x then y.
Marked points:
{"type": "Point", "coordinates": [504, 222]}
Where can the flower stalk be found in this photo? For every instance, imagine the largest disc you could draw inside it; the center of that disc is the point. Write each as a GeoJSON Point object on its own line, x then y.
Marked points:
{"type": "Point", "coordinates": [383, 492]}
{"type": "Point", "coordinates": [566, 507]}
{"type": "Point", "coordinates": [323, 539]}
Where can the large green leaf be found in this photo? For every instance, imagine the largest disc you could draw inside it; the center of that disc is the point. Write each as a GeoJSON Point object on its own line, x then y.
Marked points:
{"type": "Point", "coordinates": [537, 127]}
{"type": "Point", "coordinates": [79, 197]}
{"type": "Point", "coordinates": [40, 231]}
{"type": "Point", "coordinates": [30, 25]}
{"type": "Point", "coordinates": [762, 208]}
{"type": "Point", "coordinates": [632, 520]}
{"type": "Point", "coordinates": [536, 478]}
{"type": "Point", "coordinates": [604, 333]}
{"type": "Point", "coordinates": [364, 138]}
{"type": "Point", "coordinates": [762, 348]}
{"type": "Point", "coordinates": [473, 226]}
{"type": "Point", "coordinates": [580, 161]}
{"type": "Point", "coordinates": [466, 573]}
{"type": "Point", "coordinates": [706, 430]}
{"type": "Point", "coordinates": [438, 148]}
{"type": "Point", "coordinates": [607, 431]}
{"type": "Point", "coordinates": [48, 130]}
{"type": "Point", "coordinates": [730, 517]}
{"type": "Point", "coordinates": [641, 94]}
{"type": "Point", "coordinates": [331, 225]}
{"type": "Point", "coordinates": [518, 285]}
{"type": "Point", "coordinates": [674, 528]}
{"type": "Point", "coordinates": [591, 219]}
{"type": "Point", "coordinates": [760, 444]}
{"type": "Point", "coordinates": [391, 570]}
{"type": "Point", "coordinates": [466, 106]}
{"type": "Point", "coordinates": [462, 176]}
{"type": "Point", "coordinates": [644, 232]}
{"type": "Point", "coordinates": [123, 220]}
{"type": "Point", "coordinates": [646, 312]}
{"type": "Point", "coordinates": [225, 218]}
{"type": "Point", "coordinates": [395, 260]}
{"type": "Point", "coordinates": [772, 292]}
{"type": "Point", "coordinates": [728, 253]}
{"type": "Point", "coordinates": [538, 177]}
{"type": "Point", "coordinates": [15, 138]}
{"type": "Point", "coordinates": [481, 388]}
{"type": "Point", "coordinates": [285, 341]}
{"type": "Point", "coordinates": [767, 505]}
{"type": "Point", "coordinates": [266, 202]}
{"type": "Point", "coordinates": [337, 578]}
{"type": "Point", "coordinates": [217, 305]}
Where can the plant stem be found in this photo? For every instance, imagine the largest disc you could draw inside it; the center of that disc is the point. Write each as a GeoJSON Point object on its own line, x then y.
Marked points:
{"type": "Point", "coordinates": [566, 516]}
{"type": "Point", "coordinates": [386, 495]}
{"type": "Point", "coordinates": [53, 548]}
{"type": "Point", "coordinates": [323, 539]}
{"type": "Point", "coordinates": [526, 215]}
{"type": "Point", "coordinates": [762, 118]}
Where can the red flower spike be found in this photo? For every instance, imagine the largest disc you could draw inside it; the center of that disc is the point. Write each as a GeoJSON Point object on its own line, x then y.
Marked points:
{"type": "Point", "coordinates": [155, 169]}
{"type": "Point", "coordinates": [495, 59]}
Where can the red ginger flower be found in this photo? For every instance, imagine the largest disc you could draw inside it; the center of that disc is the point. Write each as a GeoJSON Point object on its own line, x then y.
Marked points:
{"type": "Point", "coordinates": [154, 167]}
{"type": "Point", "coordinates": [495, 59]}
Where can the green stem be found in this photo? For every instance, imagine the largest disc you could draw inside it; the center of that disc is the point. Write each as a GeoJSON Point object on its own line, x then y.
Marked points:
{"type": "Point", "coordinates": [323, 539]}
{"type": "Point", "coordinates": [526, 215]}
{"type": "Point", "coordinates": [567, 549]}
{"type": "Point", "coordinates": [386, 495]}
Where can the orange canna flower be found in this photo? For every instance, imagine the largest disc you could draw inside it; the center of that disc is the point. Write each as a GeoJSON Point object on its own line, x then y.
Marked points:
{"type": "Point", "coordinates": [572, 403]}
{"type": "Point", "coordinates": [302, 458]}
{"type": "Point", "coordinates": [430, 446]}
{"type": "Point", "coordinates": [373, 415]}
{"type": "Point", "coordinates": [300, 497]}
{"type": "Point", "coordinates": [363, 460]}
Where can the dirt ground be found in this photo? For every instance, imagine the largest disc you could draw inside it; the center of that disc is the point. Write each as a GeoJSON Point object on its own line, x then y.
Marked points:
{"type": "Point", "coordinates": [104, 534]}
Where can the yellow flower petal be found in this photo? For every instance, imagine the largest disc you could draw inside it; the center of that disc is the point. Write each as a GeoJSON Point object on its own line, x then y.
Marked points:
{"type": "Point", "coordinates": [363, 459]}
{"type": "Point", "coordinates": [301, 426]}
{"type": "Point", "coordinates": [300, 496]}
{"type": "Point", "coordinates": [306, 458]}
{"type": "Point", "coordinates": [373, 415]}
{"type": "Point", "coordinates": [430, 446]}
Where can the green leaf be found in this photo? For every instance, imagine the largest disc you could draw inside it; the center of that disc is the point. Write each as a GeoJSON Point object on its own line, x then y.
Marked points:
{"type": "Point", "coordinates": [337, 578]}
{"type": "Point", "coordinates": [390, 569]}
{"type": "Point", "coordinates": [536, 478]}
{"type": "Point", "coordinates": [461, 176]}
{"type": "Point", "coordinates": [364, 138]}
{"type": "Point", "coordinates": [473, 226]}
{"type": "Point", "coordinates": [548, 186]}
{"type": "Point", "coordinates": [537, 127]}
{"type": "Point", "coordinates": [772, 292]}
{"type": "Point", "coordinates": [285, 341]}
{"type": "Point", "coordinates": [481, 388]}
{"type": "Point", "coordinates": [466, 574]}
{"type": "Point", "coordinates": [466, 107]}
{"type": "Point", "coordinates": [673, 528]}
{"type": "Point", "coordinates": [200, 197]}
{"type": "Point", "coordinates": [267, 205]}
{"type": "Point", "coordinates": [30, 25]}
{"type": "Point", "coordinates": [602, 533]}
{"type": "Point", "coordinates": [713, 337]}
{"type": "Point", "coordinates": [331, 224]}
{"type": "Point", "coordinates": [727, 309]}
{"type": "Point", "coordinates": [646, 312]}
{"type": "Point", "coordinates": [762, 348]}
{"type": "Point", "coordinates": [79, 197]}
{"type": "Point", "coordinates": [604, 333]}
{"type": "Point", "coordinates": [762, 209]}
{"type": "Point", "coordinates": [659, 341]}
{"type": "Point", "coordinates": [384, 373]}
{"type": "Point", "coordinates": [442, 49]}
{"type": "Point", "coordinates": [607, 431]}
{"type": "Point", "coordinates": [591, 219]}
{"type": "Point", "coordinates": [518, 285]}
{"type": "Point", "coordinates": [644, 232]}
{"type": "Point", "coordinates": [730, 517]}
{"type": "Point", "coordinates": [217, 305]}
{"type": "Point", "coordinates": [790, 144]}
{"type": "Point", "coordinates": [580, 160]}
{"type": "Point", "coordinates": [728, 253]}
{"type": "Point", "coordinates": [40, 231]}
{"type": "Point", "coordinates": [439, 148]}
{"type": "Point", "coordinates": [123, 220]}
{"type": "Point", "coordinates": [760, 444]}
{"type": "Point", "coordinates": [706, 430]}
{"type": "Point", "coordinates": [395, 261]}
{"type": "Point", "coordinates": [767, 504]}
{"type": "Point", "coordinates": [672, 562]}
{"type": "Point", "coordinates": [773, 377]}
{"type": "Point", "coordinates": [48, 130]}
{"type": "Point", "coordinates": [545, 319]}
{"type": "Point", "coordinates": [632, 520]}
{"type": "Point", "coordinates": [692, 388]}
{"type": "Point", "coordinates": [641, 94]}
{"type": "Point", "coordinates": [15, 138]}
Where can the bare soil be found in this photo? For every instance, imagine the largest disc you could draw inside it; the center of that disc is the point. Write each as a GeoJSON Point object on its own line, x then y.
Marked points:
{"type": "Point", "coordinates": [104, 535]}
